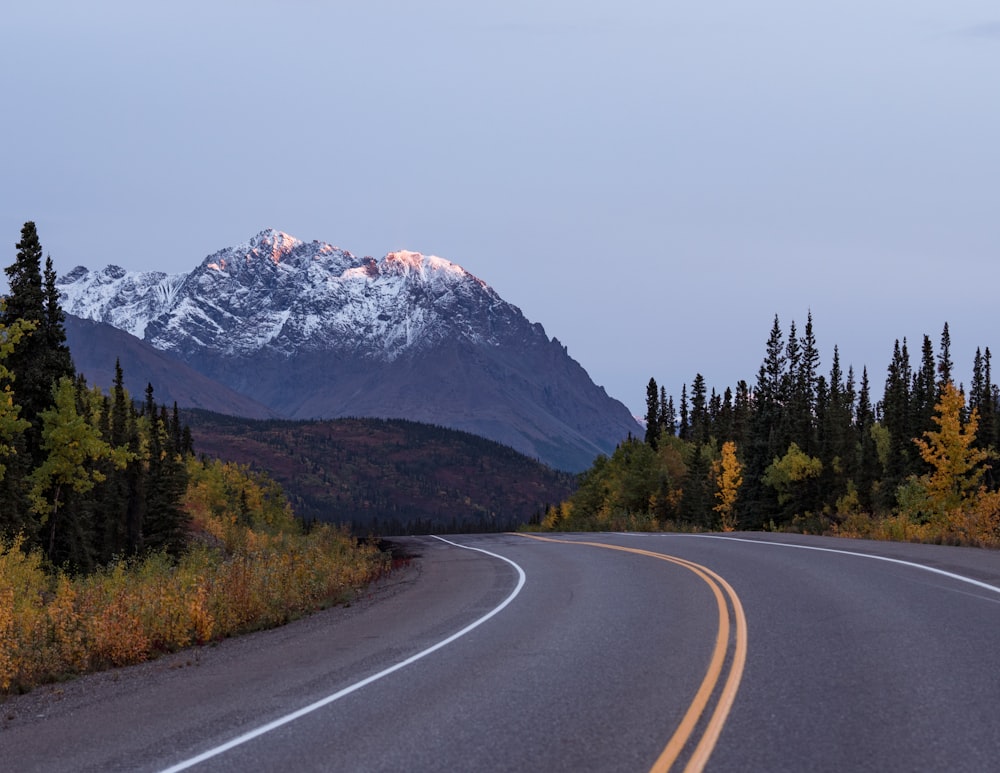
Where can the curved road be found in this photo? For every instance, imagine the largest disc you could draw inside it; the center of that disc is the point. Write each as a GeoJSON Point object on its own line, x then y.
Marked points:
{"type": "Point", "coordinates": [578, 652]}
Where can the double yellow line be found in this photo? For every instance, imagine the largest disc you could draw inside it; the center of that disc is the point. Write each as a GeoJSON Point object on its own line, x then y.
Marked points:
{"type": "Point", "coordinates": [724, 700]}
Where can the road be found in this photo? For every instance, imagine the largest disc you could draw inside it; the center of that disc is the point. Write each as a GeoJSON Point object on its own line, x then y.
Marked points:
{"type": "Point", "coordinates": [590, 652]}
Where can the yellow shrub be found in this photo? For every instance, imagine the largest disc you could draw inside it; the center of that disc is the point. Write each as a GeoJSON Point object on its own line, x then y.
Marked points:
{"type": "Point", "coordinates": [246, 571]}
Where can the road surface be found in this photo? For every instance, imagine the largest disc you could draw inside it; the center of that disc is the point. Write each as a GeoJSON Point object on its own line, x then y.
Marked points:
{"type": "Point", "coordinates": [593, 652]}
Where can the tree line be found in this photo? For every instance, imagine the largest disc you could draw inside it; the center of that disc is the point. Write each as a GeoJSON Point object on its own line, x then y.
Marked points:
{"type": "Point", "coordinates": [85, 476]}
{"type": "Point", "coordinates": [805, 450]}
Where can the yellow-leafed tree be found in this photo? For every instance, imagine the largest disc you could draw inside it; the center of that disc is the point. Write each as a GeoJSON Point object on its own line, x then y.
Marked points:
{"type": "Point", "coordinates": [11, 424]}
{"type": "Point", "coordinates": [729, 478]}
{"type": "Point", "coordinates": [953, 489]}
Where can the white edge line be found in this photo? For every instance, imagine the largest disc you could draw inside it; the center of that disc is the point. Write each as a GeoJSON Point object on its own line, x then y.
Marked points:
{"type": "Point", "coordinates": [250, 735]}
{"type": "Point", "coordinates": [873, 556]}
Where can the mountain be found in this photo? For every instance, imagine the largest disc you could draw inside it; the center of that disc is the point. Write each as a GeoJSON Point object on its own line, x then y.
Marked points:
{"type": "Point", "coordinates": [311, 331]}
{"type": "Point", "coordinates": [96, 346]}
{"type": "Point", "coordinates": [389, 476]}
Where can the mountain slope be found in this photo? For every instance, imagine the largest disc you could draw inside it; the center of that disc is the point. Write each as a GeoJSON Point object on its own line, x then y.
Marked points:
{"type": "Point", "coordinates": [312, 331]}
{"type": "Point", "coordinates": [96, 346]}
{"type": "Point", "coordinates": [390, 476]}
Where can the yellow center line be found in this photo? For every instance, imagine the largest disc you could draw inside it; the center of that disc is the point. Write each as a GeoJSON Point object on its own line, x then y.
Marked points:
{"type": "Point", "coordinates": [713, 728]}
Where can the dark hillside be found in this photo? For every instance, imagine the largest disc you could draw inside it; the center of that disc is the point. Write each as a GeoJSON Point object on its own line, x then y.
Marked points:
{"type": "Point", "coordinates": [388, 476]}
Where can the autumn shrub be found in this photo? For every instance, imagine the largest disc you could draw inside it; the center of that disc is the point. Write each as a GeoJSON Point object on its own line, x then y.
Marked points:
{"type": "Point", "coordinates": [249, 566]}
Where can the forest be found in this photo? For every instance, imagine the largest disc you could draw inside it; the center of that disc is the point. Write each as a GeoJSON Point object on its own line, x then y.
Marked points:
{"type": "Point", "coordinates": [117, 543]}
{"type": "Point", "coordinates": [84, 476]}
{"type": "Point", "coordinates": [806, 451]}
{"type": "Point", "coordinates": [387, 476]}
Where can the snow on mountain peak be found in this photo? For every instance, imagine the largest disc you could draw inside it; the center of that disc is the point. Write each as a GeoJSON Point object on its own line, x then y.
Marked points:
{"type": "Point", "coordinates": [279, 293]}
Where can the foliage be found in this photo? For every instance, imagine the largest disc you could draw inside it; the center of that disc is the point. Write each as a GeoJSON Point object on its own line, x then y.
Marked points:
{"type": "Point", "coordinates": [729, 478]}
{"type": "Point", "coordinates": [812, 452]}
{"type": "Point", "coordinates": [957, 467]}
{"type": "Point", "coordinates": [11, 423]}
{"type": "Point", "coordinates": [387, 476]}
{"type": "Point", "coordinates": [787, 474]}
{"type": "Point", "coordinates": [241, 574]}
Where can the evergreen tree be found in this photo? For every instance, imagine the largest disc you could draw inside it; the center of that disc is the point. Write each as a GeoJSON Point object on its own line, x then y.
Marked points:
{"type": "Point", "coordinates": [868, 465]}
{"type": "Point", "coordinates": [165, 525]}
{"type": "Point", "coordinates": [925, 391]}
{"type": "Point", "coordinates": [742, 409]}
{"type": "Point", "coordinates": [113, 494]}
{"type": "Point", "coordinates": [945, 365]}
{"type": "Point", "coordinates": [684, 430]}
{"type": "Point", "coordinates": [724, 422]}
{"type": "Point", "coordinates": [696, 500]}
{"type": "Point", "coordinates": [667, 418]}
{"type": "Point", "coordinates": [652, 413]}
{"type": "Point", "coordinates": [804, 385]}
{"type": "Point", "coordinates": [42, 358]}
{"type": "Point", "coordinates": [896, 418]}
{"type": "Point", "coordinates": [837, 435]}
{"type": "Point", "coordinates": [72, 446]}
{"type": "Point", "coordinates": [757, 503]}
{"type": "Point", "coordinates": [988, 425]}
{"type": "Point", "coordinates": [699, 411]}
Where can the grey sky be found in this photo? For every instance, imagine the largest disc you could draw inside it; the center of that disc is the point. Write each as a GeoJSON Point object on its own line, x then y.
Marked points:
{"type": "Point", "coordinates": [652, 181]}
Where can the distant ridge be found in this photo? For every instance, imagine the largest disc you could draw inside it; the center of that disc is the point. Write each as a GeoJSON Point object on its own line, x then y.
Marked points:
{"type": "Point", "coordinates": [388, 476]}
{"type": "Point", "coordinates": [95, 347]}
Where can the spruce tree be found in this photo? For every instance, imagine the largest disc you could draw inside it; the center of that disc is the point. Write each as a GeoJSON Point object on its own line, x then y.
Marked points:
{"type": "Point", "coordinates": [924, 392]}
{"type": "Point", "coordinates": [699, 411]}
{"type": "Point", "coordinates": [805, 389]}
{"type": "Point", "coordinates": [652, 413]}
{"type": "Point", "coordinates": [42, 358]}
{"type": "Point", "coordinates": [165, 524]}
{"type": "Point", "coordinates": [868, 469]}
{"type": "Point", "coordinates": [945, 365]}
{"type": "Point", "coordinates": [896, 418]}
{"type": "Point", "coordinates": [757, 503]}
{"type": "Point", "coordinates": [684, 430]}
{"type": "Point", "coordinates": [667, 418]}
{"type": "Point", "coordinates": [742, 407]}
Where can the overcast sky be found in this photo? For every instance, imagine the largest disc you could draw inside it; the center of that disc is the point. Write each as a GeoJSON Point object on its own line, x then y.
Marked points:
{"type": "Point", "coordinates": [652, 181]}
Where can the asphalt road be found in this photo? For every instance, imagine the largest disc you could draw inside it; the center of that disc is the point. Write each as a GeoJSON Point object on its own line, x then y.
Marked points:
{"type": "Point", "coordinates": [605, 656]}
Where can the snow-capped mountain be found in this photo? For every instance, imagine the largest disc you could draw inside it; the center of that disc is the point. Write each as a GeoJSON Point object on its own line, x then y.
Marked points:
{"type": "Point", "coordinates": [279, 294]}
{"type": "Point", "coordinates": [312, 331]}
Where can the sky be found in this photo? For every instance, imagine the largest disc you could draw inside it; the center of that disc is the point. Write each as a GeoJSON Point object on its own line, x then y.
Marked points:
{"type": "Point", "coordinates": [653, 181]}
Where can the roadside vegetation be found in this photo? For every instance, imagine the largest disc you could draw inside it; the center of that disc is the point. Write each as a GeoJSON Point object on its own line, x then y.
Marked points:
{"type": "Point", "coordinates": [117, 544]}
{"type": "Point", "coordinates": [806, 452]}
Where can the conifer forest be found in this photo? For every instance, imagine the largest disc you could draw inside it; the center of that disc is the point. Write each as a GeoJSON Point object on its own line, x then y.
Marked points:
{"type": "Point", "coordinates": [84, 476]}
{"type": "Point", "coordinates": [801, 450]}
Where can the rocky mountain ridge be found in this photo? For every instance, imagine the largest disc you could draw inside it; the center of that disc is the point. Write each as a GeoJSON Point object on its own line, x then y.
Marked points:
{"type": "Point", "coordinates": [312, 331]}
